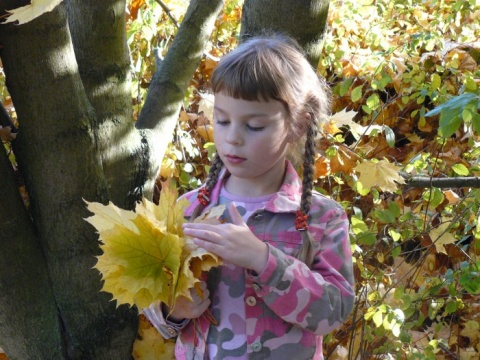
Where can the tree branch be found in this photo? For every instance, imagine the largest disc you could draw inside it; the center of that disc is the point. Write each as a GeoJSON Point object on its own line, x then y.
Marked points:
{"type": "Point", "coordinates": [170, 81]}
{"type": "Point", "coordinates": [442, 183]}
{"type": "Point", "coordinates": [168, 12]}
{"type": "Point", "coordinates": [159, 115]}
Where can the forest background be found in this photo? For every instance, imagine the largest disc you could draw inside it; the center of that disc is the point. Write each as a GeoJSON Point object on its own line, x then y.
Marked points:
{"type": "Point", "coordinates": [401, 154]}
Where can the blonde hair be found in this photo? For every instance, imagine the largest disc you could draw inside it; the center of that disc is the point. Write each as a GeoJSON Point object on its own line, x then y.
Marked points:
{"type": "Point", "coordinates": [274, 67]}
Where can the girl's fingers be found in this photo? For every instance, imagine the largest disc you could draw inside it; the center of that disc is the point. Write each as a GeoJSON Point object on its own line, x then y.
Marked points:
{"type": "Point", "coordinates": [235, 215]}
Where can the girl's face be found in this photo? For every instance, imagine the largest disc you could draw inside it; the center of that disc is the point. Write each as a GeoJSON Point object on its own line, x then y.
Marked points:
{"type": "Point", "coordinates": [251, 138]}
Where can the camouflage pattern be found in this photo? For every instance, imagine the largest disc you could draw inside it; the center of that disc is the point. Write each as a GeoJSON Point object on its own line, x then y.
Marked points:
{"type": "Point", "coordinates": [287, 307]}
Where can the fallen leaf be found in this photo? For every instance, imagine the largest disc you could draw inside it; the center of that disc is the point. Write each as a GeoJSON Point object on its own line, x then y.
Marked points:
{"type": "Point", "coordinates": [471, 330]}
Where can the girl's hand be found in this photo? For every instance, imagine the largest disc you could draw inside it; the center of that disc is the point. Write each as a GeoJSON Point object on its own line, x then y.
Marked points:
{"type": "Point", "coordinates": [185, 308]}
{"type": "Point", "coordinates": [234, 243]}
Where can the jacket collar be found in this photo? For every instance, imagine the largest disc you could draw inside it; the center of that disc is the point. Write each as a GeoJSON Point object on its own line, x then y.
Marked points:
{"type": "Point", "coordinates": [286, 199]}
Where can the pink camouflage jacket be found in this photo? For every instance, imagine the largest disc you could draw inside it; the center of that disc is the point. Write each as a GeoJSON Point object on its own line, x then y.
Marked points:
{"type": "Point", "coordinates": [288, 307]}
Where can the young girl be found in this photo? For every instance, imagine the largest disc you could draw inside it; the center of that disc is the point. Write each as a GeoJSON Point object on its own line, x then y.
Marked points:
{"type": "Point", "coordinates": [287, 274]}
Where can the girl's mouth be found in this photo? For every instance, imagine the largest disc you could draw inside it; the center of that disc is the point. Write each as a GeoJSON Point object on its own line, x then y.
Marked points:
{"type": "Point", "coordinates": [233, 159]}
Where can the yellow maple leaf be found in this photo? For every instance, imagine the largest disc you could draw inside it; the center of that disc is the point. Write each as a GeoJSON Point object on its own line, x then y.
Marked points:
{"type": "Point", "coordinates": [471, 330]}
{"type": "Point", "coordinates": [196, 260]}
{"type": "Point", "coordinates": [145, 257]}
{"type": "Point", "coordinates": [381, 174]}
{"type": "Point", "coordinates": [150, 345]}
{"type": "Point", "coordinates": [441, 236]}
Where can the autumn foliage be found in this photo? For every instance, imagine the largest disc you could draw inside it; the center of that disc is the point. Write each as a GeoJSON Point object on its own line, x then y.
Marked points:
{"type": "Point", "coordinates": [405, 82]}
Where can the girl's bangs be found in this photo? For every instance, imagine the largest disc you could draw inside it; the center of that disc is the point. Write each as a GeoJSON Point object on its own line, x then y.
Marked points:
{"type": "Point", "coordinates": [247, 78]}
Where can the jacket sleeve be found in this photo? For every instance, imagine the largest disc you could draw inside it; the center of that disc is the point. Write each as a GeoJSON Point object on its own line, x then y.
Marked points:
{"type": "Point", "coordinates": [317, 299]}
{"type": "Point", "coordinates": [166, 328]}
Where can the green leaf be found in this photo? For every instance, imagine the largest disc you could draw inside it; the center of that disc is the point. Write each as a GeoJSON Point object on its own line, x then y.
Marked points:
{"type": "Point", "coordinates": [357, 93]}
{"type": "Point", "coordinates": [390, 136]}
{"type": "Point", "coordinates": [344, 86]}
{"type": "Point", "coordinates": [373, 101]}
{"type": "Point", "coordinates": [449, 123]}
{"type": "Point", "coordinates": [378, 318]}
{"type": "Point", "coordinates": [460, 169]}
{"type": "Point", "coordinates": [476, 123]}
{"type": "Point", "coordinates": [457, 103]}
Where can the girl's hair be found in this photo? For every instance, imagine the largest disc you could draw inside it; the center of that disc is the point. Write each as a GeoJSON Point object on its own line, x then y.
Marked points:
{"type": "Point", "coordinates": [274, 67]}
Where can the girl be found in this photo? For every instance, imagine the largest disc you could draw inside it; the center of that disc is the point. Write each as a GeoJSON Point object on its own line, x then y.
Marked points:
{"type": "Point", "coordinates": [287, 274]}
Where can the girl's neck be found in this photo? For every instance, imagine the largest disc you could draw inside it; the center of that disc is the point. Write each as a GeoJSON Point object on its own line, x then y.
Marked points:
{"type": "Point", "coordinates": [251, 188]}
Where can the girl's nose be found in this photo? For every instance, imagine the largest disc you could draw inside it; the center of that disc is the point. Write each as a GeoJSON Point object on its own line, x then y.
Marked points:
{"type": "Point", "coordinates": [234, 137]}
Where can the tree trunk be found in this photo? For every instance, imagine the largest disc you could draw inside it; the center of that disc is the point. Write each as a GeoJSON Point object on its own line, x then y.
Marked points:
{"type": "Point", "coordinates": [28, 321]}
{"type": "Point", "coordinates": [77, 140]}
{"type": "Point", "coordinates": [304, 20]}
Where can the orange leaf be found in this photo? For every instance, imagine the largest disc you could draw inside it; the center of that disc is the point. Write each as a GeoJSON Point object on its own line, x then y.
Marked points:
{"type": "Point", "coordinates": [135, 5]}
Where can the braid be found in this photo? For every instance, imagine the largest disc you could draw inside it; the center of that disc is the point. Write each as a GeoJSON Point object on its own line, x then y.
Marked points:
{"type": "Point", "coordinates": [306, 251]}
{"type": "Point", "coordinates": [204, 193]}
{"type": "Point", "coordinates": [308, 168]}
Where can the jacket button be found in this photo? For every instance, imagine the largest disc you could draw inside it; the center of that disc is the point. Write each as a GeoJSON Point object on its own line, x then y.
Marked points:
{"type": "Point", "coordinates": [171, 331]}
{"type": "Point", "coordinates": [251, 301]}
{"type": "Point", "coordinates": [256, 287]}
{"type": "Point", "coordinates": [258, 216]}
{"type": "Point", "coordinates": [256, 346]}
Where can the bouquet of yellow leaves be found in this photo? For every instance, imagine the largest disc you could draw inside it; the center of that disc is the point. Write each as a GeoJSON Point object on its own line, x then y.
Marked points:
{"type": "Point", "coordinates": [146, 257]}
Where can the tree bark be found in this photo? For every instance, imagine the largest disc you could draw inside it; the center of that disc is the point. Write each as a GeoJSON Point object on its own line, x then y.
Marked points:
{"type": "Point", "coordinates": [103, 60]}
{"type": "Point", "coordinates": [58, 157]}
{"type": "Point", "coordinates": [29, 323]}
{"type": "Point", "coordinates": [304, 20]}
{"type": "Point", "coordinates": [77, 140]}
{"type": "Point", "coordinates": [442, 183]}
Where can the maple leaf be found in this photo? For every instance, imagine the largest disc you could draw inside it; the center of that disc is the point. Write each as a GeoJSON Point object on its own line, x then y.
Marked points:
{"type": "Point", "coordinates": [205, 105]}
{"type": "Point", "coordinates": [150, 345]}
{"type": "Point", "coordinates": [29, 12]}
{"type": "Point", "coordinates": [471, 330]}
{"type": "Point", "coordinates": [381, 174]}
{"type": "Point", "coordinates": [145, 257]}
{"type": "Point", "coordinates": [441, 236]}
{"type": "Point", "coordinates": [345, 118]}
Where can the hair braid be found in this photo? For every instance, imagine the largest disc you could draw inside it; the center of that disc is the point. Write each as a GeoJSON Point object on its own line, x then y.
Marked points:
{"type": "Point", "coordinates": [212, 178]}
{"type": "Point", "coordinates": [306, 251]}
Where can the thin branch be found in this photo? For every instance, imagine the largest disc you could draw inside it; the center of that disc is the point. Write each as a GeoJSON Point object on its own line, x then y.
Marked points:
{"type": "Point", "coordinates": [442, 183]}
{"type": "Point", "coordinates": [168, 12]}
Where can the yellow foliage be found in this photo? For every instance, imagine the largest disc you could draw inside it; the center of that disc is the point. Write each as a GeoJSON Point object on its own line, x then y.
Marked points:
{"type": "Point", "coordinates": [381, 174]}
{"type": "Point", "coordinates": [150, 345]}
{"type": "Point", "coordinates": [442, 236]}
{"type": "Point", "coordinates": [145, 257]}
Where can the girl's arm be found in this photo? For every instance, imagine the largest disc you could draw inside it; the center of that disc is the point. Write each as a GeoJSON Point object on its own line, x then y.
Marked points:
{"type": "Point", "coordinates": [317, 299]}
{"type": "Point", "coordinates": [169, 322]}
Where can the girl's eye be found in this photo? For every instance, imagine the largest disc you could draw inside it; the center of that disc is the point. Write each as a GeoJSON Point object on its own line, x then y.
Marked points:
{"type": "Point", "coordinates": [255, 128]}
{"type": "Point", "coordinates": [222, 122]}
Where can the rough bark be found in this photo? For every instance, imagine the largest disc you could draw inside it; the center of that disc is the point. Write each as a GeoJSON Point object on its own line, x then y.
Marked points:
{"type": "Point", "coordinates": [304, 20]}
{"type": "Point", "coordinates": [39, 330]}
{"type": "Point", "coordinates": [77, 140]}
{"type": "Point", "coordinates": [442, 183]}
{"type": "Point", "coordinates": [57, 154]}
{"type": "Point", "coordinates": [104, 64]}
